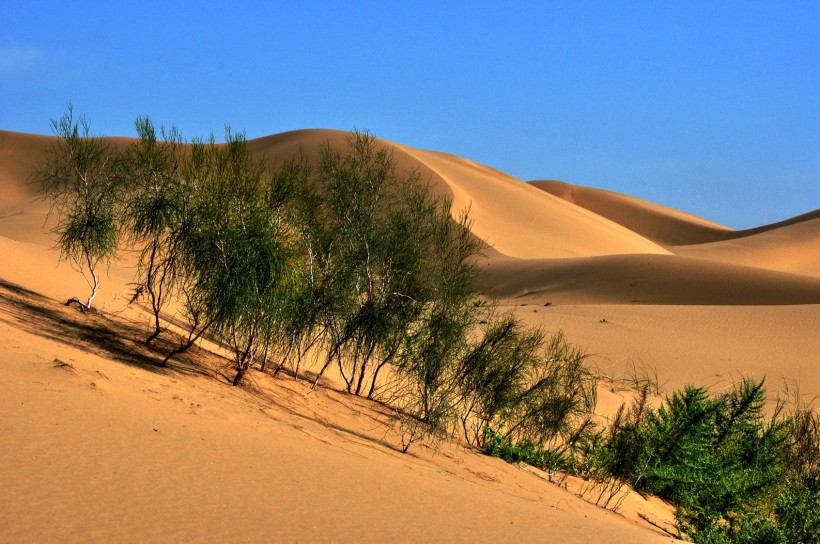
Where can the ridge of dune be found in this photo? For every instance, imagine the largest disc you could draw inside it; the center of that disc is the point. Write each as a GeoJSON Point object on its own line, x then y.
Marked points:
{"type": "Point", "coordinates": [514, 219]}
{"type": "Point", "coordinates": [662, 224]}
{"type": "Point", "coordinates": [658, 223]}
{"type": "Point", "coordinates": [791, 245]}
{"type": "Point", "coordinates": [519, 221]}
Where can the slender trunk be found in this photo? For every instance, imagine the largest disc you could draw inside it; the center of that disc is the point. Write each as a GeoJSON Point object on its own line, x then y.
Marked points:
{"type": "Point", "coordinates": [157, 330]}
{"type": "Point", "coordinates": [322, 371]}
{"type": "Point", "coordinates": [94, 287]}
{"type": "Point", "coordinates": [361, 377]}
{"type": "Point", "coordinates": [384, 361]}
{"type": "Point", "coordinates": [265, 357]}
{"type": "Point", "coordinates": [244, 356]}
{"type": "Point", "coordinates": [333, 352]}
{"type": "Point", "coordinates": [150, 284]}
{"type": "Point", "coordinates": [193, 336]}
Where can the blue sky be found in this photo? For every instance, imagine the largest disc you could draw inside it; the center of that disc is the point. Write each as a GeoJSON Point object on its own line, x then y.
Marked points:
{"type": "Point", "coordinates": [709, 107]}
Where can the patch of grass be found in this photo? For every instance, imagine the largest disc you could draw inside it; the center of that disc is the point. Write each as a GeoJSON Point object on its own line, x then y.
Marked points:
{"type": "Point", "coordinates": [527, 452]}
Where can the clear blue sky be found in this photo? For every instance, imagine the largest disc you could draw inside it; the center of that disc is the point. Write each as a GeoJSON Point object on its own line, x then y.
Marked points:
{"type": "Point", "coordinates": [709, 107]}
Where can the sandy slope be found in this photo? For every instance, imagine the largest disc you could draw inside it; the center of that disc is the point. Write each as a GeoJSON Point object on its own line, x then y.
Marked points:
{"type": "Point", "coordinates": [112, 449]}
{"type": "Point", "coordinates": [791, 247]}
{"type": "Point", "coordinates": [97, 445]}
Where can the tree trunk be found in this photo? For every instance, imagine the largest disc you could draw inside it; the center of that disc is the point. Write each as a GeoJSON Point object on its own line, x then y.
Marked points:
{"type": "Point", "coordinates": [239, 374]}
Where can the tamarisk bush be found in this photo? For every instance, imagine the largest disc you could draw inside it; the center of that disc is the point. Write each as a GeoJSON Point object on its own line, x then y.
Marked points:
{"type": "Point", "coordinates": [79, 178]}
{"type": "Point", "coordinates": [235, 247]}
{"type": "Point", "coordinates": [150, 172]}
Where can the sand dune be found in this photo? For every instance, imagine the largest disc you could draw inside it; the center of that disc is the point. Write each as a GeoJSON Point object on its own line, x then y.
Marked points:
{"type": "Point", "coordinates": [659, 223]}
{"type": "Point", "coordinates": [645, 279]}
{"type": "Point", "coordinates": [98, 445]}
{"type": "Point", "coordinates": [792, 245]}
{"type": "Point", "coordinates": [542, 226]}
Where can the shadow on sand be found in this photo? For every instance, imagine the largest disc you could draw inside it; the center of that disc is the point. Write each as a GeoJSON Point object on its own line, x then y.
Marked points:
{"type": "Point", "coordinates": [112, 337]}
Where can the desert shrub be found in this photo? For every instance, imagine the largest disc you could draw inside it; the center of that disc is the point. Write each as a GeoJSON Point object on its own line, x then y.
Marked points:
{"type": "Point", "coordinates": [236, 252]}
{"type": "Point", "coordinates": [363, 212]}
{"type": "Point", "coordinates": [530, 389]}
{"type": "Point", "coordinates": [150, 172]}
{"type": "Point", "coordinates": [497, 445]}
{"type": "Point", "coordinates": [734, 474]}
{"type": "Point", "coordinates": [401, 265]}
{"type": "Point", "coordinates": [79, 179]}
{"type": "Point", "coordinates": [493, 374]}
{"type": "Point", "coordinates": [797, 505]}
{"type": "Point", "coordinates": [348, 255]}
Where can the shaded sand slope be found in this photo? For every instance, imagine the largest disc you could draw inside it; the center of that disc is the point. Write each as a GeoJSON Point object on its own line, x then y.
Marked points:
{"type": "Point", "coordinates": [789, 247]}
{"type": "Point", "coordinates": [656, 222]}
{"type": "Point", "coordinates": [97, 445]}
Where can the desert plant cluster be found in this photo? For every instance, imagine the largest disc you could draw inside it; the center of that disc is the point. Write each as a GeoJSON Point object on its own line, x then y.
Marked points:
{"type": "Point", "coordinates": [364, 269]}
{"type": "Point", "coordinates": [343, 259]}
{"type": "Point", "coordinates": [734, 474]}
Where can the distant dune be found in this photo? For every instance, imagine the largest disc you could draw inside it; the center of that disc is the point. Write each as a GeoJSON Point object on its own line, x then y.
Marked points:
{"type": "Point", "coordinates": [142, 455]}
{"type": "Point", "coordinates": [791, 245]}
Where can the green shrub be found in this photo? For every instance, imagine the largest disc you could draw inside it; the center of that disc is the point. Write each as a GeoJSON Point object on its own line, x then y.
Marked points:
{"type": "Point", "coordinates": [79, 178]}
{"type": "Point", "coordinates": [734, 474]}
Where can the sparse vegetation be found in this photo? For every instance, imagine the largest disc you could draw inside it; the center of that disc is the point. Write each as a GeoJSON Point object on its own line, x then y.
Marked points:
{"type": "Point", "coordinates": [734, 474]}
{"type": "Point", "coordinates": [149, 172]}
{"type": "Point", "coordinates": [361, 263]}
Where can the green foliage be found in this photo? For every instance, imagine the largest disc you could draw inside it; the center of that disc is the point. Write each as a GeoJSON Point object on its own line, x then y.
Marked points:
{"type": "Point", "coordinates": [502, 447]}
{"type": "Point", "coordinates": [349, 255]}
{"type": "Point", "coordinates": [236, 251]}
{"type": "Point", "coordinates": [79, 178]}
{"type": "Point", "coordinates": [718, 459]}
{"type": "Point", "coordinates": [150, 173]}
{"type": "Point", "coordinates": [531, 389]}
{"type": "Point", "coordinates": [797, 510]}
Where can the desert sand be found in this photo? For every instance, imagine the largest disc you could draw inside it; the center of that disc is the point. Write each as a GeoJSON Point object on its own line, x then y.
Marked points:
{"type": "Point", "coordinates": [98, 445]}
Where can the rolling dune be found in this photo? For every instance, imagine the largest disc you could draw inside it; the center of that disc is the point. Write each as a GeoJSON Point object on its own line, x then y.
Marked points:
{"type": "Point", "coordinates": [792, 245]}
{"type": "Point", "coordinates": [99, 445]}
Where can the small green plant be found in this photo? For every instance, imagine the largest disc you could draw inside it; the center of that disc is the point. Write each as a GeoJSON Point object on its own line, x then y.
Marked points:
{"type": "Point", "coordinates": [497, 445]}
